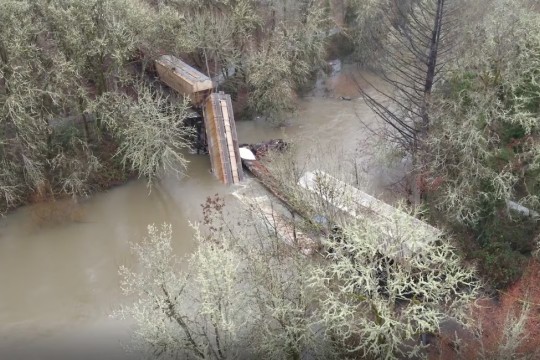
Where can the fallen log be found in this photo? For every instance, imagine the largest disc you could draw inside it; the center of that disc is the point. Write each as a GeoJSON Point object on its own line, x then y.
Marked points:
{"type": "Point", "coordinates": [258, 169]}
{"type": "Point", "coordinates": [256, 166]}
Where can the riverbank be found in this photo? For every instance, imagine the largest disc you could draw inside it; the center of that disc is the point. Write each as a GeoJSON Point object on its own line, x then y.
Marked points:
{"type": "Point", "coordinates": [109, 174]}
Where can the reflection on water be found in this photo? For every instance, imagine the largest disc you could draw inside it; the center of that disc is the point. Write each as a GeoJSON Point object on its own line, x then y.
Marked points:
{"type": "Point", "coordinates": [59, 282]}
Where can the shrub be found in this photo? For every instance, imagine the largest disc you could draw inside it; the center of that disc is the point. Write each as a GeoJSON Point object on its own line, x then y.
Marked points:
{"type": "Point", "coordinates": [500, 264]}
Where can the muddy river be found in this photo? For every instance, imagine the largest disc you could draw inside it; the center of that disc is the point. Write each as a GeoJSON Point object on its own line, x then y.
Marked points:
{"type": "Point", "coordinates": [59, 281]}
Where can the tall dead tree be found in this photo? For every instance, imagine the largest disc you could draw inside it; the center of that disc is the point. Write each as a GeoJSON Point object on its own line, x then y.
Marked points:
{"type": "Point", "coordinates": [415, 50]}
{"type": "Point", "coordinates": [416, 47]}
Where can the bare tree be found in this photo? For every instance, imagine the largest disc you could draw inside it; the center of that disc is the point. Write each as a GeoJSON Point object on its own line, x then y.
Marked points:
{"type": "Point", "coordinates": [244, 295]}
{"type": "Point", "coordinates": [415, 50]}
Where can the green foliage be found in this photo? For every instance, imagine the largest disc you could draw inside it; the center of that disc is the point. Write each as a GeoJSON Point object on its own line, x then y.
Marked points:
{"type": "Point", "coordinates": [150, 130]}
{"type": "Point", "coordinates": [269, 77]}
{"type": "Point", "coordinates": [72, 166]}
{"type": "Point", "coordinates": [11, 190]}
{"type": "Point", "coordinates": [365, 27]}
{"type": "Point", "coordinates": [285, 61]}
{"type": "Point", "coordinates": [92, 36]}
{"type": "Point", "coordinates": [484, 143]}
{"type": "Point", "coordinates": [503, 244]}
{"type": "Point", "coordinates": [386, 284]}
{"type": "Point", "coordinates": [500, 264]}
{"type": "Point", "coordinates": [37, 84]}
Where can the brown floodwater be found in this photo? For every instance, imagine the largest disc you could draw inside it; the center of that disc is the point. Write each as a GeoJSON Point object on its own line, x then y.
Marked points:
{"type": "Point", "coordinates": [59, 263]}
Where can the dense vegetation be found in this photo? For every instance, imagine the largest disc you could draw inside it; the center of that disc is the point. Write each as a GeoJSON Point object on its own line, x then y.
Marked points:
{"type": "Point", "coordinates": [80, 111]}
{"type": "Point", "coordinates": [462, 104]}
{"type": "Point", "coordinates": [247, 293]}
{"type": "Point", "coordinates": [74, 94]}
{"type": "Point", "coordinates": [483, 147]}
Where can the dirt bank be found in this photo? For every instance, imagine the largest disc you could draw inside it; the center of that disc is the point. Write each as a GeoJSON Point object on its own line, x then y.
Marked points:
{"type": "Point", "coordinates": [490, 314]}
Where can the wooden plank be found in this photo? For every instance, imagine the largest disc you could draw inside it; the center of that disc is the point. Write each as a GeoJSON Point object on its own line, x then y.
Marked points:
{"type": "Point", "coordinates": [234, 135]}
{"type": "Point", "coordinates": [230, 144]}
{"type": "Point", "coordinates": [214, 145]}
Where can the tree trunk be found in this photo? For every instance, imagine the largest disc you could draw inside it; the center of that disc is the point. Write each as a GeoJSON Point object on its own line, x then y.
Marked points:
{"type": "Point", "coordinates": [432, 64]}
{"type": "Point", "coordinates": [85, 121]}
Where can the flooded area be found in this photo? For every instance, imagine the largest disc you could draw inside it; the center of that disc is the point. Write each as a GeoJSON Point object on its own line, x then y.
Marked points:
{"type": "Point", "coordinates": [59, 282]}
